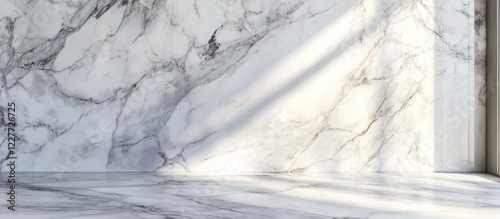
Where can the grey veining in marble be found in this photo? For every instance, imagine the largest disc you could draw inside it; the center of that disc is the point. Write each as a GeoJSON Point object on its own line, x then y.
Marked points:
{"type": "Point", "coordinates": [122, 195]}
{"type": "Point", "coordinates": [480, 90]}
{"type": "Point", "coordinates": [241, 85]}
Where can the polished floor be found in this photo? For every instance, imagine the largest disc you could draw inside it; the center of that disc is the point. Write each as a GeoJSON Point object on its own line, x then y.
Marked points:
{"type": "Point", "coordinates": [126, 195]}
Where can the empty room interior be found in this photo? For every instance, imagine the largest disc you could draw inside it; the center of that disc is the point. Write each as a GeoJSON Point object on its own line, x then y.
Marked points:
{"type": "Point", "coordinates": [359, 109]}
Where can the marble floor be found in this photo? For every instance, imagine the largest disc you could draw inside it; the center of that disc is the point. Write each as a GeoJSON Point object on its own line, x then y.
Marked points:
{"type": "Point", "coordinates": [133, 195]}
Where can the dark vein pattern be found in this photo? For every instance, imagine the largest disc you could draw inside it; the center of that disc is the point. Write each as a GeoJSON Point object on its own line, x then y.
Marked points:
{"type": "Point", "coordinates": [242, 85]}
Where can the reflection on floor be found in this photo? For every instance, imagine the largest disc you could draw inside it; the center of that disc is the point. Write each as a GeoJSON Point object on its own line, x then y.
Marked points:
{"type": "Point", "coordinates": [127, 195]}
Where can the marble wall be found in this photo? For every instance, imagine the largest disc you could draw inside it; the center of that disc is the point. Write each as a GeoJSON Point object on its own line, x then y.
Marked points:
{"type": "Point", "coordinates": [244, 85]}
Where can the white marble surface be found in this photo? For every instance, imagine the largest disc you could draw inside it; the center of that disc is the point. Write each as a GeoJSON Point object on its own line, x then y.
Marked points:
{"type": "Point", "coordinates": [123, 195]}
{"type": "Point", "coordinates": [239, 85]}
{"type": "Point", "coordinates": [459, 84]}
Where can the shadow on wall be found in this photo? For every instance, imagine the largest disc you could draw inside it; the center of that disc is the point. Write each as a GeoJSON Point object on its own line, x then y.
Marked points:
{"type": "Point", "coordinates": [364, 140]}
{"type": "Point", "coordinates": [343, 89]}
{"type": "Point", "coordinates": [381, 128]}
